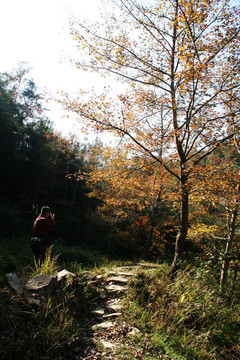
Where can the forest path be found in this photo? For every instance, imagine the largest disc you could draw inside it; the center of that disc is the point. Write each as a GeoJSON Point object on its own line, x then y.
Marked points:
{"type": "Point", "coordinates": [107, 329]}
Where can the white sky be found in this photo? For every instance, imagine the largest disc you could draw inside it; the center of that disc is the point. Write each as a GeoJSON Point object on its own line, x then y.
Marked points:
{"type": "Point", "coordinates": [37, 32]}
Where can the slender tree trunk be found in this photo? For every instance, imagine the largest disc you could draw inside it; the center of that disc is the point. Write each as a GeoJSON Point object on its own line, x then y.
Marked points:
{"type": "Point", "coordinates": [182, 235]}
{"type": "Point", "coordinates": [66, 190]}
{"type": "Point", "coordinates": [158, 199]}
{"type": "Point", "coordinates": [150, 237]}
{"type": "Point", "coordinates": [73, 197]}
{"type": "Point", "coordinates": [226, 258]}
{"type": "Point", "coordinates": [153, 222]}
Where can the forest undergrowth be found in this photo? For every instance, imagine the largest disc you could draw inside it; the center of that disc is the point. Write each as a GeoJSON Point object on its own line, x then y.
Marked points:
{"type": "Point", "coordinates": [189, 318]}
{"type": "Point", "coordinates": [186, 318]}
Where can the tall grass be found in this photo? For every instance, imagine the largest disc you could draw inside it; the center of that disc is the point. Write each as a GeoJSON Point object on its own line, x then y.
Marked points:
{"type": "Point", "coordinates": [189, 315]}
{"type": "Point", "coordinates": [47, 267]}
{"type": "Point", "coordinates": [43, 331]}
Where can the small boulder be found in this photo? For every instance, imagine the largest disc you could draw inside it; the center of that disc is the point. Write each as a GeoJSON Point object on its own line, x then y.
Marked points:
{"type": "Point", "coordinates": [43, 285]}
{"type": "Point", "coordinates": [14, 283]}
{"type": "Point", "coordinates": [64, 277]}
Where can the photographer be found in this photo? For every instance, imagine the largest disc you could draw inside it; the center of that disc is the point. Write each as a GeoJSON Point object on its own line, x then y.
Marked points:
{"type": "Point", "coordinates": [43, 226]}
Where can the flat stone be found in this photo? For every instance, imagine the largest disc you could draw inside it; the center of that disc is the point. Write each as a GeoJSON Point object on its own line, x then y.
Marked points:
{"type": "Point", "coordinates": [103, 325]}
{"type": "Point", "coordinates": [112, 315]}
{"type": "Point", "coordinates": [64, 273]}
{"type": "Point", "coordinates": [116, 289]}
{"type": "Point", "coordinates": [42, 284]}
{"type": "Point", "coordinates": [115, 308]}
{"type": "Point", "coordinates": [121, 273]}
{"type": "Point", "coordinates": [126, 273]}
{"type": "Point", "coordinates": [117, 279]}
{"type": "Point", "coordinates": [97, 312]}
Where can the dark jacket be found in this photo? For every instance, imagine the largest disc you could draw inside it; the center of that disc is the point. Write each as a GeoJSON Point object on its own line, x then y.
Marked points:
{"type": "Point", "coordinates": [43, 227]}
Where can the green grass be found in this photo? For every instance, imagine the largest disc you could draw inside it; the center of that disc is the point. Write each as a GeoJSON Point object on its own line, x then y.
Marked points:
{"type": "Point", "coordinates": [30, 332]}
{"type": "Point", "coordinates": [186, 319]}
{"type": "Point", "coordinates": [78, 256]}
{"type": "Point", "coordinates": [16, 256]}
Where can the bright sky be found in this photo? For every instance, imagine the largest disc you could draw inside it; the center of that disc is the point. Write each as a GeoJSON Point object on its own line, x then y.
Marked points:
{"type": "Point", "coordinates": [37, 32]}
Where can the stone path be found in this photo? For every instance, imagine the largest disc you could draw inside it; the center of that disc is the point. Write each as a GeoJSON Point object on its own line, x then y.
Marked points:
{"type": "Point", "coordinates": [107, 330]}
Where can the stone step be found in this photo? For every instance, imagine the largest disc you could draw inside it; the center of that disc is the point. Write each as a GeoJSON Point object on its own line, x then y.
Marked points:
{"type": "Point", "coordinates": [114, 305]}
{"type": "Point", "coordinates": [128, 268]}
{"type": "Point", "coordinates": [117, 279]}
{"type": "Point", "coordinates": [104, 325]}
{"type": "Point", "coordinates": [114, 308]}
{"type": "Point", "coordinates": [112, 315]}
{"type": "Point", "coordinates": [121, 273]}
{"type": "Point", "coordinates": [98, 312]}
{"type": "Point", "coordinates": [116, 289]}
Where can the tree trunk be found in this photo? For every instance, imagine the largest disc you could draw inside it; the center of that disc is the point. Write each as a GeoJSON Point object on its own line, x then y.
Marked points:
{"type": "Point", "coordinates": [226, 258]}
{"type": "Point", "coordinates": [181, 237]}
{"type": "Point", "coordinates": [153, 222]}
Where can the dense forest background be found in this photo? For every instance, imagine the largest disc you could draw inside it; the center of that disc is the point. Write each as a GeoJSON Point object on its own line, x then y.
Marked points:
{"type": "Point", "coordinates": [104, 198]}
{"type": "Point", "coordinates": [35, 165]}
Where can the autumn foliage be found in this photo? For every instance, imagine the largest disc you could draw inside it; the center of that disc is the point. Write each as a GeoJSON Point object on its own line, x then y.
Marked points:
{"type": "Point", "coordinates": [178, 62]}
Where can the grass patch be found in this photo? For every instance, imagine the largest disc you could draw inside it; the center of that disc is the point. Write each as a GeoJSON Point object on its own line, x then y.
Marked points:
{"type": "Point", "coordinates": [16, 256]}
{"type": "Point", "coordinates": [47, 330]}
{"type": "Point", "coordinates": [186, 319]}
{"type": "Point", "coordinates": [33, 333]}
{"type": "Point", "coordinates": [78, 256]}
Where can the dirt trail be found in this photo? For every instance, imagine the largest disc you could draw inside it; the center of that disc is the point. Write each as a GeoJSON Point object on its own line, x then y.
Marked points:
{"type": "Point", "coordinates": [107, 329]}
